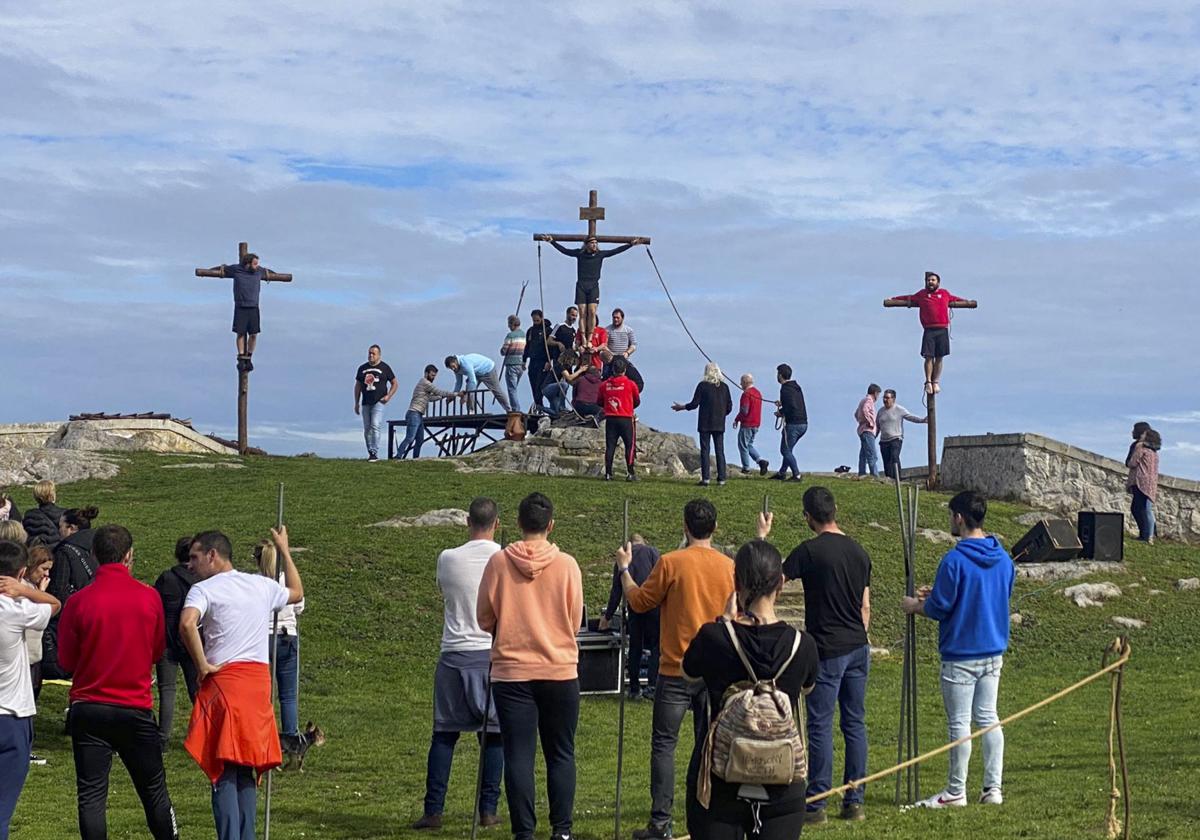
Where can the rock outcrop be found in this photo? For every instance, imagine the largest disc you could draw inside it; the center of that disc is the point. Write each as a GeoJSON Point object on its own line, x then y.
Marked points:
{"type": "Point", "coordinates": [579, 450]}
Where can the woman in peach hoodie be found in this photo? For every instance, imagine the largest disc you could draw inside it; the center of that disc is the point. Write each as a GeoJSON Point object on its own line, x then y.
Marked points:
{"type": "Point", "coordinates": [531, 601]}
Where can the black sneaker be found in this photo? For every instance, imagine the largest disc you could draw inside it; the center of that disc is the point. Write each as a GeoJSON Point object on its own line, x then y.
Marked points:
{"type": "Point", "coordinates": [702, 482]}
{"type": "Point", "coordinates": [249, 364]}
{"type": "Point", "coordinates": [763, 466]}
{"type": "Point", "coordinates": [608, 476]}
{"type": "Point", "coordinates": [779, 477]}
{"type": "Point", "coordinates": [427, 822]}
{"type": "Point", "coordinates": [371, 456]}
{"type": "Point", "coordinates": [797, 477]}
{"type": "Point", "coordinates": [37, 760]}
{"type": "Point", "coordinates": [631, 476]}
{"type": "Point", "coordinates": [653, 832]}
{"type": "Point", "coordinates": [746, 471]}
{"type": "Point", "coordinates": [853, 811]}
{"type": "Point", "coordinates": [817, 817]}
{"type": "Point", "coordinates": [721, 483]}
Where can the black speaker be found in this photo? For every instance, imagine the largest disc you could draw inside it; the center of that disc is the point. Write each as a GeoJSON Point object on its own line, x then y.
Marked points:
{"type": "Point", "coordinates": [599, 662]}
{"type": "Point", "coordinates": [1048, 541]}
{"type": "Point", "coordinates": [1102, 535]}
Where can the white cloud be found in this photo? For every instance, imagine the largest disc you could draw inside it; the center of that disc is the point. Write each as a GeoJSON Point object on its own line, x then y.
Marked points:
{"type": "Point", "coordinates": [793, 164]}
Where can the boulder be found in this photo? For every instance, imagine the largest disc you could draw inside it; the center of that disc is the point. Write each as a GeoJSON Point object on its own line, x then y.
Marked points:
{"type": "Point", "coordinates": [936, 536]}
{"type": "Point", "coordinates": [1188, 584]}
{"type": "Point", "coordinates": [1067, 570]}
{"type": "Point", "coordinates": [1128, 623]}
{"type": "Point", "coordinates": [579, 450]}
{"type": "Point", "coordinates": [1092, 594]}
{"type": "Point", "coordinates": [20, 465]}
{"type": "Point", "coordinates": [1034, 517]}
{"type": "Point", "coordinates": [1016, 619]}
{"type": "Point", "coordinates": [430, 519]}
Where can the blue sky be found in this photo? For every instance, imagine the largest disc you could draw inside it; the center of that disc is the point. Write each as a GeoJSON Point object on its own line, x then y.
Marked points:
{"type": "Point", "coordinates": [794, 166]}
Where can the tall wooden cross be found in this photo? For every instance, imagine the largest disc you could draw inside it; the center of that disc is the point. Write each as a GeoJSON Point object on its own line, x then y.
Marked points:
{"type": "Point", "coordinates": [591, 214]}
{"type": "Point", "coordinates": [931, 398]}
{"type": "Point", "coordinates": [243, 374]}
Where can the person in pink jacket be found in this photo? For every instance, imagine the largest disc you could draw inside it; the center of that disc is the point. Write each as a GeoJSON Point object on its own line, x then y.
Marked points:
{"type": "Point", "coordinates": [868, 430]}
{"type": "Point", "coordinates": [1143, 482]}
{"type": "Point", "coordinates": [531, 601]}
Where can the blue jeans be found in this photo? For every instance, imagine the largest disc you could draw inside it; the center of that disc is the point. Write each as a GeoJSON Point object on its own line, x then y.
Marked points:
{"type": "Point", "coordinates": [372, 417]}
{"type": "Point", "coordinates": [512, 378]}
{"type": "Point", "coordinates": [287, 675]}
{"type": "Point", "coordinates": [746, 446]}
{"type": "Point", "coordinates": [16, 737]}
{"type": "Point", "coordinates": [556, 392]}
{"type": "Point", "coordinates": [842, 681]}
{"type": "Point", "coordinates": [414, 426]}
{"type": "Point", "coordinates": [969, 690]}
{"type": "Point", "coordinates": [1143, 514]}
{"type": "Point", "coordinates": [235, 803]}
{"type": "Point", "coordinates": [868, 458]}
{"type": "Point", "coordinates": [792, 432]}
{"type": "Point", "coordinates": [437, 771]}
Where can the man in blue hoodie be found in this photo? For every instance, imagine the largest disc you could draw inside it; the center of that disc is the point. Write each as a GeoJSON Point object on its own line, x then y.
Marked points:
{"type": "Point", "coordinates": [475, 370]}
{"type": "Point", "coordinates": [969, 600]}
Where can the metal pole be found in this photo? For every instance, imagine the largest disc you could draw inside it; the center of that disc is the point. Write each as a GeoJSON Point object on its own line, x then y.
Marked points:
{"type": "Point", "coordinates": [621, 686]}
{"type": "Point", "coordinates": [273, 658]}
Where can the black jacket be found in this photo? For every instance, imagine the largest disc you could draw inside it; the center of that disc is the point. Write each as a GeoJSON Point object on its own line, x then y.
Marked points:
{"type": "Point", "coordinates": [792, 400]}
{"type": "Point", "coordinates": [715, 404]}
{"type": "Point", "coordinates": [173, 586]}
{"type": "Point", "coordinates": [74, 567]}
{"type": "Point", "coordinates": [645, 558]}
{"type": "Point", "coordinates": [536, 345]}
{"type": "Point", "coordinates": [42, 522]}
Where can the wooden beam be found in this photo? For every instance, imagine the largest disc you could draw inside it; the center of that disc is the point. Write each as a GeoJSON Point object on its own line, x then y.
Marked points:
{"type": "Point", "coordinates": [892, 303]}
{"type": "Point", "coordinates": [579, 237]}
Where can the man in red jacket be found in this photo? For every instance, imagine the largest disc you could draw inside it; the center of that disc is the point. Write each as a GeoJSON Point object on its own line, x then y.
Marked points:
{"type": "Point", "coordinates": [933, 303]}
{"type": "Point", "coordinates": [619, 397]}
{"type": "Point", "coordinates": [747, 422]}
{"type": "Point", "coordinates": [109, 637]}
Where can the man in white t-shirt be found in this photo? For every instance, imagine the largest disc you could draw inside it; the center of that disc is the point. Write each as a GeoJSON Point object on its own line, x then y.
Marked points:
{"type": "Point", "coordinates": [232, 733]}
{"type": "Point", "coordinates": [460, 683]}
{"type": "Point", "coordinates": [21, 609]}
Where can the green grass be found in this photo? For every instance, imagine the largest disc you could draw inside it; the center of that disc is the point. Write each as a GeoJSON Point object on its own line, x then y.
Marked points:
{"type": "Point", "coordinates": [370, 640]}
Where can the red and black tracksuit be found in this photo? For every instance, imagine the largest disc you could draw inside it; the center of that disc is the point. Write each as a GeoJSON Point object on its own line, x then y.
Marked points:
{"type": "Point", "coordinates": [619, 396]}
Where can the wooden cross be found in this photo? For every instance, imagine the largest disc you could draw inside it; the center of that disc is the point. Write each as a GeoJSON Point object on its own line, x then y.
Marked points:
{"type": "Point", "coordinates": [931, 399]}
{"type": "Point", "coordinates": [591, 214]}
{"type": "Point", "coordinates": [243, 374]}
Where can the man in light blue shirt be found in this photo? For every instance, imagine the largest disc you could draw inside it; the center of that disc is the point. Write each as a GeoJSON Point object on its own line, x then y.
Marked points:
{"type": "Point", "coordinates": [476, 370]}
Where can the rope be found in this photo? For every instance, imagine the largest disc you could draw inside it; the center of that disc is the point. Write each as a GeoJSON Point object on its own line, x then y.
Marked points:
{"type": "Point", "coordinates": [1121, 646]}
{"type": "Point", "coordinates": [1117, 828]}
{"type": "Point", "coordinates": [683, 323]}
{"type": "Point", "coordinates": [542, 305]}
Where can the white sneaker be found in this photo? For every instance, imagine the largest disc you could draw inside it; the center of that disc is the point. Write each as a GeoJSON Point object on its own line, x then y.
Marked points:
{"type": "Point", "coordinates": [991, 796]}
{"type": "Point", "coordinates": [944, 800]}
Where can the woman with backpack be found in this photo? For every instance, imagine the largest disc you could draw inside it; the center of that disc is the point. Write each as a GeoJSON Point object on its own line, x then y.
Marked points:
{"type": "Point", "coordinates": [173, 586]}
{"type": "Point", "coordinates": [755, 667]}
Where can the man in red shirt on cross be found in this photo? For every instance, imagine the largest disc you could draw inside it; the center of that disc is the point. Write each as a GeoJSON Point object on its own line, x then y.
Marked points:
{"type": "Point", "coordinates": [619, 397]}
{"type": "Point", "coordinates": [933, 303]}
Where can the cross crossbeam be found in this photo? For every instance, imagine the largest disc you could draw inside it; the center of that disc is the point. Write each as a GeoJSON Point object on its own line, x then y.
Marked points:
{"type": "Point", "coordinates": [590, 214]}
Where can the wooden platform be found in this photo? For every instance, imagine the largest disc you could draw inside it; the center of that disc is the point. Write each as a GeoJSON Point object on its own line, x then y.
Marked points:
{"type": "Point", "coordinates": [456, 427]}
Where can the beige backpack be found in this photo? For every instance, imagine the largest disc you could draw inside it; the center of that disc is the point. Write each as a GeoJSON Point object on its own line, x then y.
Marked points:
{"type": "Point", "coordinates": [755, 738]}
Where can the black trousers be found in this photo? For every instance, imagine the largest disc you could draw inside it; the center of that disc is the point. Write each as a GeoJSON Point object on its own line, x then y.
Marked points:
{"type": "Point", "coordinates": [890, 450]}
{"type": "Point", "coordinates": [545, 710]}
{"type": "Point", "coordinates": [643, 636]}
{"type": "Point", "coordinates": [618, 428]}
{"type": "Point", "coordinates": [718, 442]}
{"type": "Point", "coordinates": [97, 731]}
{"type": "Point", "coordinates": [538, 377]}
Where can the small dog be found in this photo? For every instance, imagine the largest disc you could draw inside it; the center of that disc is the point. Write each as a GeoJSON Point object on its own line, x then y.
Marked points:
{"type": "Point", "coordinates": [295, 746]}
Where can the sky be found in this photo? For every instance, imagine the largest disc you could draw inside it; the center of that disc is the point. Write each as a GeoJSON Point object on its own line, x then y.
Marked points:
{"type": "Point", "coordinates": [794, 165]}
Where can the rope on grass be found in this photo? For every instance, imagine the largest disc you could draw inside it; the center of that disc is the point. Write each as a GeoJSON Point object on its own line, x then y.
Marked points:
{"type": "Point", "coordinates": [1119, 648]}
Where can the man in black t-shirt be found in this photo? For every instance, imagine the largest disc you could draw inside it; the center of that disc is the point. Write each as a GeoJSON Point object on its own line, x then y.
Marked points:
{"type": "Point", "coordinates": [564, 334]}
{"type": "Point", "coordinates": [836, 573]}
{"type": "Point", "coordinates": [537, 356]}
{"type": "Point", "coordinates": [374, 386]}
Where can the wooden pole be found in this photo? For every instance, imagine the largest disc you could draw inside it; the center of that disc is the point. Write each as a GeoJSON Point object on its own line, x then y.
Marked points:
{"type": "Point", "coordinates": [242, 401]}
{"type": "Point", "coordinates": [931, 406]}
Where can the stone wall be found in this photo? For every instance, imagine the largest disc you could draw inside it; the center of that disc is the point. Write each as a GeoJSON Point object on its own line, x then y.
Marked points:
{"type": "Point", "coordinates": [1058, 477]}
{"type": "Point", "coordinates": [125, 435]}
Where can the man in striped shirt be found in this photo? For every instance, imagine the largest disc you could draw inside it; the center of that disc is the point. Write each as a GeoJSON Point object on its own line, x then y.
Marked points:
{"type": "Point", "coordinates": [621, 343]}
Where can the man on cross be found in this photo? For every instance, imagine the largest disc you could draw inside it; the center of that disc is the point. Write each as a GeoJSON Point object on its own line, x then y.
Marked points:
{"type": "Point", "coordinates": [248, 277]}
{"type": "Point", "coordinates": [934, 304]}
{"type": "Point", "coordinates": [588, 261]}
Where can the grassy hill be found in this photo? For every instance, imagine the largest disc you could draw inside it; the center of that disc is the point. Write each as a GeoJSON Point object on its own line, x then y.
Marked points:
{"type": "Point", "coordinates": [370, 640]}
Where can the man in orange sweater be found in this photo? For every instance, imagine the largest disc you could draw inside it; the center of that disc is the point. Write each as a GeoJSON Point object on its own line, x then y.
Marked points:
{"type": "Point", "coordinates": [531, 601]}
{"type": "Point", "coordinates": [693, 586]}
